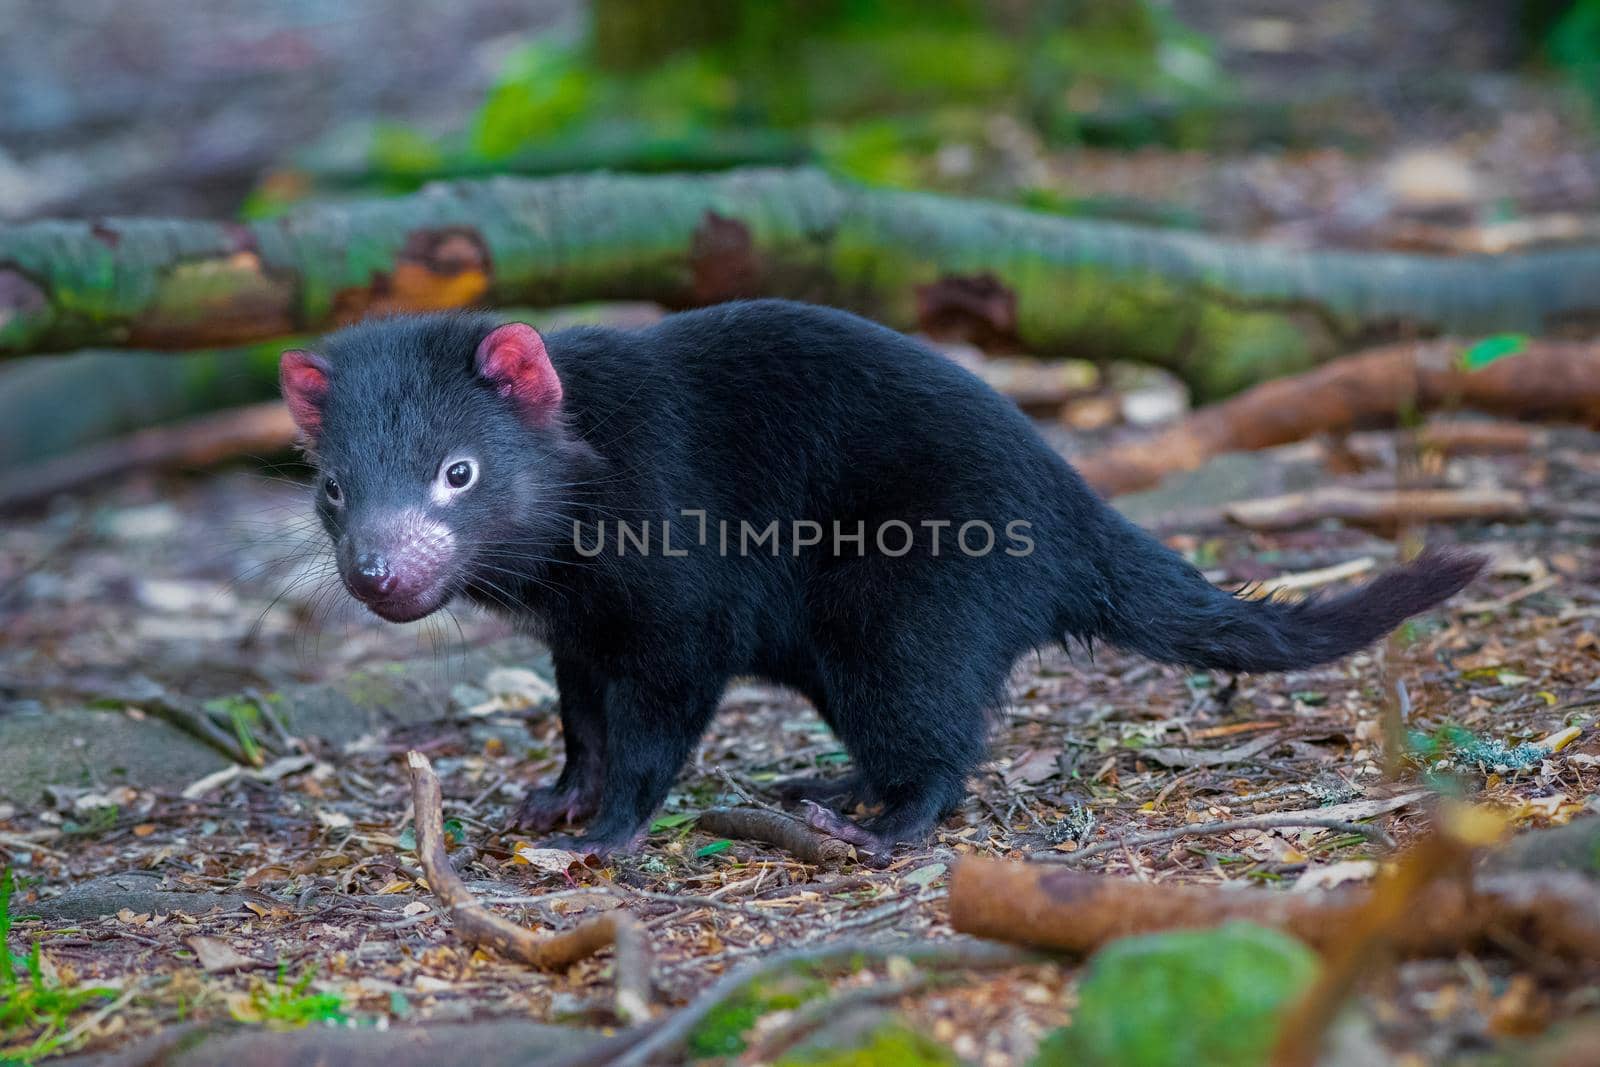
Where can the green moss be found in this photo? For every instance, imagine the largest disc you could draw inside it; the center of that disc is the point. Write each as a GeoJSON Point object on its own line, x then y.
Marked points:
{"type": "Point", "coordinates": [722, 1032]}
{"type": "Point", "coordinates": [375, 688]}
{"type": "Point", "coordinates": [1188, 997]}
{"type": "Point", "coordinates": [1233, 348]}
{"type": "Point", "coordinates": [892, 1044]}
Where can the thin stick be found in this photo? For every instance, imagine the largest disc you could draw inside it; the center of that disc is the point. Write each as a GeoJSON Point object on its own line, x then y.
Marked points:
{"type": "Point", "coordinates": [1272, 820]}
{"type": "Point", "coordinates": [664, 1041]}
{"type": "Point", "coordinates": [479, 926]}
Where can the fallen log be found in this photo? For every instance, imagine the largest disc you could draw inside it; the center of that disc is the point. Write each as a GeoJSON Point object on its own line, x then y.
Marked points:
{"type": "Point", "coordinates": [1546, 380]}
{"type": "Point", "coordinates": [1049, 906]}
{"type": "Point", "coordinates": [480, 926]}
{"type": "Point", "coordinates": [1221, 314]}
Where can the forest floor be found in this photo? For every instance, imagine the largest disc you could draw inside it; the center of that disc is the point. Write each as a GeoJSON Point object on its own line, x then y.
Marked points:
{"type": "Point", "coordinates": [217, 908]}
{"type": "Point", "coordinates": [292, 895]}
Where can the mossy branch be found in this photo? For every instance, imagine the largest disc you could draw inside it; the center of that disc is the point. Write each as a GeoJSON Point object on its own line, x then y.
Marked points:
{"type": "Point", "coordinates": [1220, 313]}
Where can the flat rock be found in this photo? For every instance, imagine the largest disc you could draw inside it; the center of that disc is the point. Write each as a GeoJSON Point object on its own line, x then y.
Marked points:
{"type": "Point", "coordinates": [83, 747]}
{"type": "Point", "coordinates": [138, 891]}
{"type": "Point", "coordinates": [490, 1043]}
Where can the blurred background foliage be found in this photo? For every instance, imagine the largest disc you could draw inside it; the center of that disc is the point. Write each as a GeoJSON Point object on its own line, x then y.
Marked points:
{"type": "Point", "coordinates": [883, 91]}
{"type": "Point", "coordinates": [1361, 124]}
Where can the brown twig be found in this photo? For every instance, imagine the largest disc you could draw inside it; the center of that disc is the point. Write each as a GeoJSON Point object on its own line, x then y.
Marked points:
{"type": "Point", "coordinates": [260, 429]}
{"type": "Point", "coordinates": [1548, 379]}
{"type": "Point", "coordinates": [1377, 507]}
{"type": "Point", "coordinates": [775, 828]}
{"type": "Point", "coordinates": [479, 926]}
{"type": "Point", "coordinates": [1272, 820]}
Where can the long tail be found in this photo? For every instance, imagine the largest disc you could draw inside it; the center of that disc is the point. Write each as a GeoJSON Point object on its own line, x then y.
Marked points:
{"type": "Point", "coordinates": [1165, 609]}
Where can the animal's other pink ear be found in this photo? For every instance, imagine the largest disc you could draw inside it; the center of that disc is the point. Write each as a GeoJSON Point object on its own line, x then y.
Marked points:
{"type": "Point", "coordinates": [513, 358]}
{"type": "Point", "coordinates": [303, 377]}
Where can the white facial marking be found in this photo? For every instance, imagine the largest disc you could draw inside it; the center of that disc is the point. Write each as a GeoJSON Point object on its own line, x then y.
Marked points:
{"type": "Point", "coordinates": [444, 490]}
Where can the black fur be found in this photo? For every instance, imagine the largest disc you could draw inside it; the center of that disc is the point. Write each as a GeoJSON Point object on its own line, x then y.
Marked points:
{"type": "Point", "coordinates": [765, 411]}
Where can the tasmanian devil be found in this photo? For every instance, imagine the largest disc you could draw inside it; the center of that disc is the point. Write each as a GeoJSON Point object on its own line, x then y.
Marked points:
{"type": "Point", "coordinates": [761, 488]}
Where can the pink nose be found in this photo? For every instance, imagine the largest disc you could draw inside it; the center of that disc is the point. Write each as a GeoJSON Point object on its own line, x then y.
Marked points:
{"type": "Point", "coordinates": [370, 578]}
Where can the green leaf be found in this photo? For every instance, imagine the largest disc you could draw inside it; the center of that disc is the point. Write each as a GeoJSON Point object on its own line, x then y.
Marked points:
{"type": "Point", "coordinates": [1480, 355]}
{"type": "Point", "coordinates": [407, 841]}
{"type": "Point", "coordinates": [672, 822]}
{"type": "Point", "coordinates": [712, 849]}
{"type": "Point", "coordinates": [1196, 996]}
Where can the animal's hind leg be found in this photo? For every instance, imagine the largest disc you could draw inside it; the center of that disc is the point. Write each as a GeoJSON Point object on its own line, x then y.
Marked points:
{"type": "Point", "coordinates": [913, 751]}
{"type": "Point", "coordinates": [913, 653]}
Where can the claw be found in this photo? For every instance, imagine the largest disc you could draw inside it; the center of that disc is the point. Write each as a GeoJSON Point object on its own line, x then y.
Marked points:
{"type": "Point", "coordinates": [873, 850]}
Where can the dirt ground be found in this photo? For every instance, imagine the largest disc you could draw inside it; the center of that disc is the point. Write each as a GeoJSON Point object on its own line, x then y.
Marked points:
{"type": "Point", "coordinates": [211, 587]}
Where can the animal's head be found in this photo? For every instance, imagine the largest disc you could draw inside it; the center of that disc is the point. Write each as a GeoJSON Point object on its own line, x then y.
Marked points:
{"type": "Point", "coordinates": [439, 444]}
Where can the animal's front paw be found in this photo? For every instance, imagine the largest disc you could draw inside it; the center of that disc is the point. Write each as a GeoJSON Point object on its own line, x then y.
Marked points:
{"type": "Point", "coordinates": [546, 808]}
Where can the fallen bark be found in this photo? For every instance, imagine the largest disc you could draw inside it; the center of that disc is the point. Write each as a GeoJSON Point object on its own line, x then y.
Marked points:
{"type": "Point", "coordinates": [1548, 379]}
{"type": "Point", "coordinates": [1048, 906]}
{"type": "Point", "coordinates": [1386, 508]}
{"type": "Point", "coordinates": [260, 430]}
{"type": "Point", "coordinates": [776, 828]}
{"type": "Point", "coordinates": [1221, 314]}
{"type": "Point", "coordinates": [479, 926]}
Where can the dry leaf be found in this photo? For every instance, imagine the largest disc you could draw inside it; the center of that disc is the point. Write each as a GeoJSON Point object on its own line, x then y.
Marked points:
{"type": "Point", "coordinates": [1033, 766]}
{"type": "Point", "coordinates": [550, 860]}
{"type": "Point", "coordinates": [1211, 757]}
{"type": "Point", "coordinates": [1335, 874]}
{"type": "Point", "coordinates": [220, 957]}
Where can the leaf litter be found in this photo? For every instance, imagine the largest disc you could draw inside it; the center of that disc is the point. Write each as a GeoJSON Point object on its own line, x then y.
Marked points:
{"type": "Point", "coordinates": [315, 907]}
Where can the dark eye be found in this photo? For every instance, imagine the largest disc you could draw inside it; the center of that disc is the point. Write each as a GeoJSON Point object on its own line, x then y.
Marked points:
{"type": "Point", "coordinates": [459, 475]}
{"type": "Point", "coordinates": [334, 493]}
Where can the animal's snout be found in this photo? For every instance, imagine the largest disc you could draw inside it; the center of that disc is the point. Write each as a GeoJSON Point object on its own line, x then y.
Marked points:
{"type": "Point", "coordinates": [370, 576]}
{"type": "Point", "coordinates": [398, 564]}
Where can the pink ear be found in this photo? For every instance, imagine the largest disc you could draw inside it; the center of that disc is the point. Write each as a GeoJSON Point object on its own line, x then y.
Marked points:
{"type": "Point", "coordinates": [514, 359]}
{"type": "Point", "coordinates": [303, 377]}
